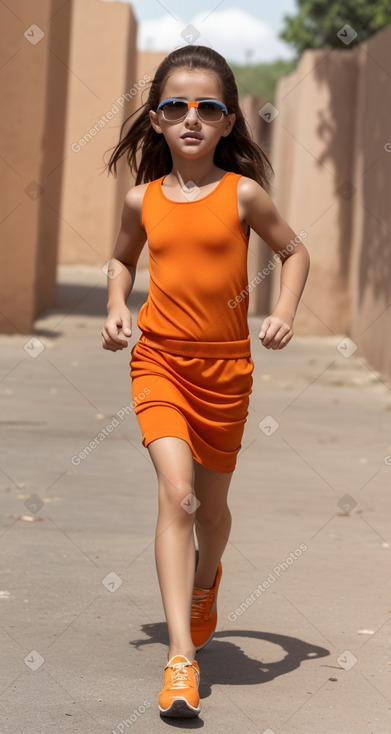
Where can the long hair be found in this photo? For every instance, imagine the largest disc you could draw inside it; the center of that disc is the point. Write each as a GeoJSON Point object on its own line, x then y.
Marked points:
{"type": "Point", "coordinates": [147, 152]}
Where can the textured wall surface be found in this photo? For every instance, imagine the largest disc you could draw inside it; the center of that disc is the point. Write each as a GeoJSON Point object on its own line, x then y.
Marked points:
{"type": "Point", "coordinates": [101, 95]}
{"type": "Point", "coordinates": [33, 77]}
{"type": "Point", "coordinates": [312, 159]}
{"type": "Point", "coordinates": [370, 264]}
{"type": "Point", "coordinates": [331, 151]}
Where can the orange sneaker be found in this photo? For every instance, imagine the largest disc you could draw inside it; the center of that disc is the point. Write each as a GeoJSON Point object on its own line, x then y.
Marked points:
{"type": "Point", "coordinates": [179, 695]}
{"type": "Point", "coordinates": [203, 619]}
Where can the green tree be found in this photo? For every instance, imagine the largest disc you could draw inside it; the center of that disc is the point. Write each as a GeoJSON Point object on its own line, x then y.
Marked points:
{"type": "Point", "coordinates": [260, 80]}
{"type": "Point", "coordinates": [318, 21]}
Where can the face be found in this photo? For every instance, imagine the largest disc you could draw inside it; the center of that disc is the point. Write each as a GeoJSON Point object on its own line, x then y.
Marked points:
{"type": "Point", "coordinates": [192, 137]}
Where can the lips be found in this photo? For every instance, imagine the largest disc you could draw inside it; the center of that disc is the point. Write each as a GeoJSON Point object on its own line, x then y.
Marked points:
{"type": "Point", "coordinates": [195, 135]}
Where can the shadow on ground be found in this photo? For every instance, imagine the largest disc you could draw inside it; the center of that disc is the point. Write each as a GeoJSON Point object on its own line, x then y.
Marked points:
{"type": "Point", "coordinates": [225, 662]}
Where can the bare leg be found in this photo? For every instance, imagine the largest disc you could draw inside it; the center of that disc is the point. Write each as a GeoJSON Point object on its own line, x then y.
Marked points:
{"type": "Point", "coordinates": [174, 542]}
{"type": "Point", "coordinates": [212, 522]}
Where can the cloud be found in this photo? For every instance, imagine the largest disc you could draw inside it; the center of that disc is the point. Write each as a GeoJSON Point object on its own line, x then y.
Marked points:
{"type": "Point", "coordinates": [237, 35]}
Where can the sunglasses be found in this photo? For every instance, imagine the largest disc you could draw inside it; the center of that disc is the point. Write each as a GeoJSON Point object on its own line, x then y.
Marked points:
{"type": "Point", "coordinates": [174, 109]}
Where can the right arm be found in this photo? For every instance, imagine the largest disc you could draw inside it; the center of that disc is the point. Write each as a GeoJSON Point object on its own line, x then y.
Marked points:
{"type": "Point", "coordinates": [130, 242]}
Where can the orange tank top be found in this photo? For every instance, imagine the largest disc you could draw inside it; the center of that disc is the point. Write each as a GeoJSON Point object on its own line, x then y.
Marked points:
{"type": "Point", "coordinates": [197, 265]}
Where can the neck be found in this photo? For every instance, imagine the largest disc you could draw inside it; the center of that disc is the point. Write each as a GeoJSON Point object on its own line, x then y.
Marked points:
{"type": "Point", "coordinates": [199, 171]}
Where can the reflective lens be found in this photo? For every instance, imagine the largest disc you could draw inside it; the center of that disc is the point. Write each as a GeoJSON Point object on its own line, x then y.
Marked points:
{"type": "Point", "coordinates": [208, 110]}
{"type": "Point", "coordinates": [174, 110]}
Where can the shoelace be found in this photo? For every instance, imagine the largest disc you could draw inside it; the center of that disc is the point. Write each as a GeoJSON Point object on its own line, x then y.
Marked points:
{"type": "Point", "coordinates": [201, 606]}
{"type": "Point", "coordinates": [180, 675]}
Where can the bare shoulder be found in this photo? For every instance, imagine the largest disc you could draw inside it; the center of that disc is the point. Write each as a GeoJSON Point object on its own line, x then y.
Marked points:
{"type": "Point", "coordinates": [132, 208]}
{"type": "Point", "coordinates": [250, 192]}
{"type": "Point", "coordinates": [255, 203]}
{"type": "Point", "coordinates": [134, 198]}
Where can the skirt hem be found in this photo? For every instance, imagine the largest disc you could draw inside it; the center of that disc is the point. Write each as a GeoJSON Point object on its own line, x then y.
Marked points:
{"type": "Point", "coordinates": [146, 441]}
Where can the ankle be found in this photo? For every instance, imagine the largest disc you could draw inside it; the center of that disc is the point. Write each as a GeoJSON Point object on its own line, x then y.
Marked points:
{"type": "Point", "coordinates": [204, 582]}
{"type": "Point", "coordinates": [202, 588]}
{"type": "Point", "coordinates": [188, 652]}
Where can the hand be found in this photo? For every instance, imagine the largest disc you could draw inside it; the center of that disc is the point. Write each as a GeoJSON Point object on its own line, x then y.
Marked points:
{"type": "Point", "coordinates": [275, 332]}
{"type": "Point", "coordinates": [117, 324]}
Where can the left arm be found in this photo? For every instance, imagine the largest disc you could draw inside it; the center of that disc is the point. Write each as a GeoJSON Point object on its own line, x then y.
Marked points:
{"type": "Point", "coordinates": [259, 211]}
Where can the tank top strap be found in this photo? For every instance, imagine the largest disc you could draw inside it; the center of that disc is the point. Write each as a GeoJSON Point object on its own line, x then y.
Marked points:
{"type": "Point", "coordinates": [224, 196]}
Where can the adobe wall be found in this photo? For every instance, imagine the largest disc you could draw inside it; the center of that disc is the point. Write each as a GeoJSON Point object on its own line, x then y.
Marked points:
{"type": "Point", "coordinates": [370, 269]}
{"type": "Point", "coordinates": [101, 95]}
{"type": "Point", "coordinates": [312, 159]}
{"type": "Point", "coordinates": [331, 151]}
{"type": "Point", "coordinates": [33, 76]}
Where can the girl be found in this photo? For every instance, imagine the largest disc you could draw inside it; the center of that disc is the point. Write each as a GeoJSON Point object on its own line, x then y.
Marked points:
{"type": "Point", "coordinates": [199, 189]}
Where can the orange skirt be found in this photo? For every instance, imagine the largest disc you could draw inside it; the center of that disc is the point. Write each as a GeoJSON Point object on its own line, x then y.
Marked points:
{"type": "Point", "coordinates": [197, 391]}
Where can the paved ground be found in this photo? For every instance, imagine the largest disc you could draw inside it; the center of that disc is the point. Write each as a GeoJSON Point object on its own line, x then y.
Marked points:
{"type": "Point", "coordinates": [83, 637]}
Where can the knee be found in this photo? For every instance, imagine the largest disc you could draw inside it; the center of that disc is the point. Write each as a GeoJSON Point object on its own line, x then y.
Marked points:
{"type": "Point", "coordinates": [208, 517]}
{"type": "Point", "coordinates": [177, 497]}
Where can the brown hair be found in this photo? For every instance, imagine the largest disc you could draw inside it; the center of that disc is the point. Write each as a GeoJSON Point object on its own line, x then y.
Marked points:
{"type": "Point", "coordinates": [147, 152]}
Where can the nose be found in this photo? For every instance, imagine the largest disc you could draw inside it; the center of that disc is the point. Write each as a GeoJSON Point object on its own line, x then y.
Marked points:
{"type": "Point", "coordinates": [192, 115]}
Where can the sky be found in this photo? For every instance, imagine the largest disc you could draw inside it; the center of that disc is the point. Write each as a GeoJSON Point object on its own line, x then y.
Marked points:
{"type": "Point", "coordinates": [244, 32]}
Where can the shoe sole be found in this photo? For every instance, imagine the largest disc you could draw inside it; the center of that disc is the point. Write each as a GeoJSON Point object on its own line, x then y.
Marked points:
{"type": "Point", "coordinates": [180, 708]}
